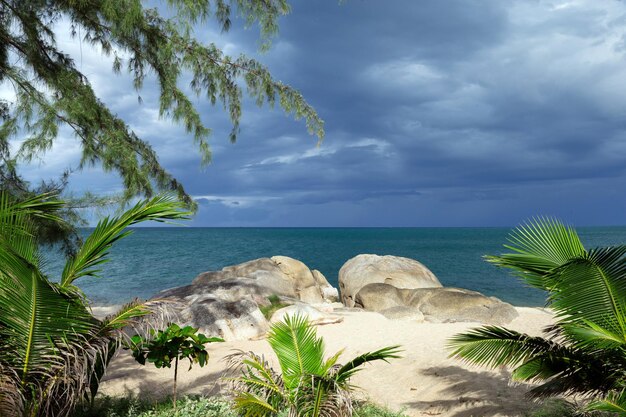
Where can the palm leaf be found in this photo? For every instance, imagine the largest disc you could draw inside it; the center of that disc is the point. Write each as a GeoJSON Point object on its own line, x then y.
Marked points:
{"type": "Point", "coordinates": [309, 385]}
{"type": "Point", "coordinates": [43, 329]}
{"type": "Point", "coordinates": [592, 288]}
{"type": "Point", "coordinates": [590, 335]}
{"type": "Point", "coordinates": [95, 249]}
{"type": "Point", "coordinates": [253, 405]}
{"type": "Point", "coordinates": [349, 369]}
{"type": "Point", "coordinates": [297, 347]}
{"type": "Point", "coordinates": [331, 362]}
{"type": "Point", "coordinates": [58, 349]}
{"type": "Point", "coordinates": [613, 403]}
{"type": "Point", "coordinates": [43, 206]}
{"type": "Point", "coordinates": [125, 316]}
{"type": "Point", "coordinates": [258, 390]}
{"type": "Point", "coordinates": [34, 313]}
{"type": "Point", "coordinates": [538, 248]}
{"type": "Point", "coordinates": [495, 346]}
{"type": "Point", "coordinates": [16, 227]}
{"type": "Point", "coordinates": [587, 290]}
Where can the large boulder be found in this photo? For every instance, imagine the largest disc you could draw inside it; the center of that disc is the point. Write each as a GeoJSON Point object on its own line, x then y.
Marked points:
{"type": "Point", "coordinates": [226, 302]}
{"type": "Point", "coordinates": [231, 320]}
{"type": "Point", "coordinates": [439, 305]}
{"type": "Point", "coordinates": [393, 270]}
{"type": "Point", "coordinates": [279, 275]}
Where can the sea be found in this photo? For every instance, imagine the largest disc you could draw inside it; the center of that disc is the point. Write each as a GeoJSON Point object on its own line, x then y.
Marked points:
{"type": "Point", "coordinates": [154, 259]}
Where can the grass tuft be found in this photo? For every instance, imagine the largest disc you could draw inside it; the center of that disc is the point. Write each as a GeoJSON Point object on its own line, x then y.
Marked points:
{"type": "Point", "coordinates": [373, 410]}
{"type": "Point", "coordinates": [275, 305]}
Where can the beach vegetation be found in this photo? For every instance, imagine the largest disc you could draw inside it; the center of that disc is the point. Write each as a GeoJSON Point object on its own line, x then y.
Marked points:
{"type": "Point", "coordinates": [584, 352]}
{"type": "Point", "coordinates": [308, 384]}
{"type": "Point", "coordinates": [54, 350]}
{"type": "Point", "coordinates": [196, 406]}
{"type": "Point", "coordinates": [274, 305]}
{"type": "Point", "coordinates": [172, 344]}
{"type": "Point", "coordinates": [190, 406]}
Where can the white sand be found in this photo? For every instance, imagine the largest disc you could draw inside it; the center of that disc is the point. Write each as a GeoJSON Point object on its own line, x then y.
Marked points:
{"type": "Point", "coordinates": [425, 382]}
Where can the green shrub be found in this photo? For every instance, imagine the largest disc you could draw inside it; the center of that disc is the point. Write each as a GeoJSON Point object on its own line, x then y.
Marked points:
{"type": "Point", "coordinates": [373, 410]}
{"type": "Point", "coordinates": [173, 343]}
{"type": "Point", "coordinates": [132, 407]}
{"type": "Point", "coordinates": [196, 406]}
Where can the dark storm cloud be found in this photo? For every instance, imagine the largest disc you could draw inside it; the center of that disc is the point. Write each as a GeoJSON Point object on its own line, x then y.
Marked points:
{"type": "Point", "coordinates": [437, 113]}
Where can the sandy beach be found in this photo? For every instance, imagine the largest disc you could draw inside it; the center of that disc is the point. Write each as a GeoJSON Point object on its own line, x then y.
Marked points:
{"type": "Point", "coordinates": [424, 382]}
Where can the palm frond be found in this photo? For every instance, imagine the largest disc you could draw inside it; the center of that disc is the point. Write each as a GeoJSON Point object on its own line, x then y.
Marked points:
{"type": "Point", "coordinates": [331, 362]}
{"type": "Point", "coordinates": [538, 248]}
{"type": "Point", "coordinates": [298, 348]}
{"type": "Point", "coordinates": [94, 251]}
{"type": "Point", "coordinates": [308, 385]}
{"type": "Point", "coordinates": [615, 402]}
{"type": "Point", "coordinates": [125, 316]}
{"type": "Point", "coordinates": [588, 335]}
{"type": "Point", "coordinates": [43, 206]}
{"type": "Point", "coordinates": [58, 349]}
{"type": "Point", "coordinates": [349, 369]}
{"type": "Point", "coordinates": [587, 291]}
{"type": "Point", "coordinates": [33, 314]}
{"type": "Point", "coordinates": [569, 370]}
{"type": "Point", "coordinates": [495, 346]}
{"type": "Point", "coordinates": [259, 380]}
{"type": "Point", "coordinates": [252, 405]}
{"type": "Point", "coordinates": [592, 289]}
{"type": "Point", "coordinates": [16, 227]}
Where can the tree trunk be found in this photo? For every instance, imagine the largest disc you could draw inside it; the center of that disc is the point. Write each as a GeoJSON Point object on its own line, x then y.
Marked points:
{"type": "Point", "coordinates": [175, 377]}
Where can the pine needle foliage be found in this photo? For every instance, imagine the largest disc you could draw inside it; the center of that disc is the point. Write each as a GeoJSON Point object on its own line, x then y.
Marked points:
{"type": "Point", "coordinates": [585, 351]}
{"type": "Point", "coordinates": [51, 91]}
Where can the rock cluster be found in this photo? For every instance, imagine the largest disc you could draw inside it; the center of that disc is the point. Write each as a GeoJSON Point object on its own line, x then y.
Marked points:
{"type": "Point", "coordinates": [227, 302]}
{"type": "Point", "coordinates": [435, 305]}
{"type": "Point", "coordinates": [393, 270]}
{"type": "Point", "coordinates": [402, 288]}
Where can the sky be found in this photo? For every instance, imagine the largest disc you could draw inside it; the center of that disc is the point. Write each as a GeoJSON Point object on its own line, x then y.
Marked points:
{"type": "Point", "coordinates": [437, 113]}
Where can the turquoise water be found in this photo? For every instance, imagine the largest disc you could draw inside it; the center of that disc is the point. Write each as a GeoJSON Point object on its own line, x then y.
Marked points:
{"type": "Point", "coordinates": [153, 259]}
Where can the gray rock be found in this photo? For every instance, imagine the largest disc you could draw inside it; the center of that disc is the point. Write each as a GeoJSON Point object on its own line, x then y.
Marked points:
{"type": "Point", "coordinates": [457, 304]}
{"type": "Point", "coordinates": [261, 276]}
{"type": "Point", "coordinates": [393, 270]}
{"type": "Point", "coordinates": [226, 302]}
{"type": "Point", "coordinates": [230, 320]}
{"type": "Point", "coordinates": [439, 305]}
